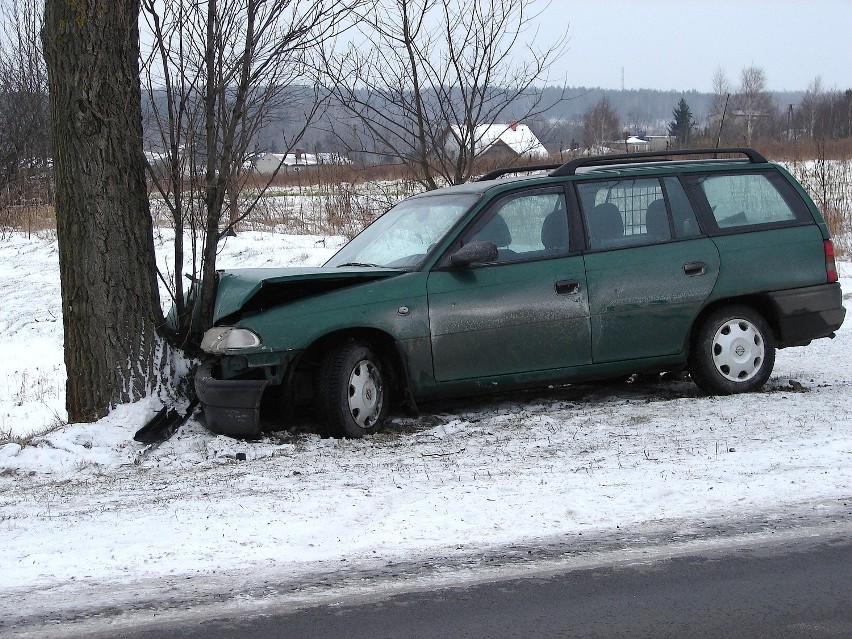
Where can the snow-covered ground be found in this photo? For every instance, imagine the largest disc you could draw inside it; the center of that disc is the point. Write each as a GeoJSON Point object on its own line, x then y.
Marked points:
{"type": "Point", "coordinates": [87, 514]}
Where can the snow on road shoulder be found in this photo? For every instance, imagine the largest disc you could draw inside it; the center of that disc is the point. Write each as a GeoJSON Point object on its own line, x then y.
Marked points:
{"type": "Point", "coordinates": [85, 504]}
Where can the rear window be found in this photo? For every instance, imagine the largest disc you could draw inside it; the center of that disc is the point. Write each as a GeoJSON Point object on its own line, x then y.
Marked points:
{"type": "Point", "coordinates": [751, 199]}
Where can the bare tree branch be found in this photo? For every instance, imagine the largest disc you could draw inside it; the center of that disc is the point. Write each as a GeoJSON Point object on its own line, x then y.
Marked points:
{"type": "Point", "coordinates": [215, 73]}
{"type": "Point", "coordinates": [433, 71]}
{"type": "Point", "coordinates": [24, 116]}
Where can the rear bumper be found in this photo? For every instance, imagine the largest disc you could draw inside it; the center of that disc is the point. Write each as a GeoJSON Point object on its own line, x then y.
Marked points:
{"type": "Point", "coordinates": [231, 406]}
{"type": "Point", "coordinates": [805, 314]}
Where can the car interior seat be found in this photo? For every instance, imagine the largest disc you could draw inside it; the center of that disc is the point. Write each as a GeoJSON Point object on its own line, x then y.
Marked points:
{"type": "Point", "coordinates": [497, 232]}
{"type": "Point", "coordinates": [605, 225]}
{"type": "Point", "coordinates": [657, 221]}
{"type": "Point", "coordinates": [554, 231]}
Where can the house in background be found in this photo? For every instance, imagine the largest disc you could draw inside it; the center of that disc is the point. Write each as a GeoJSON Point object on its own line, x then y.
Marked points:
{"type": "Point", "coordinates": [636, 144]}
{"type": "Point", "coordinates": [268, 163]}
{"type": "Point", "coordinates": [504, 141]}
{"type": "Point", "coordinates": [641, 143]}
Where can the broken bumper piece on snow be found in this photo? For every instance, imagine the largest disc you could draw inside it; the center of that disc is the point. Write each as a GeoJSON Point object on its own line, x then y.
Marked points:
{"type": "Point", "coordinates": [231, 407]}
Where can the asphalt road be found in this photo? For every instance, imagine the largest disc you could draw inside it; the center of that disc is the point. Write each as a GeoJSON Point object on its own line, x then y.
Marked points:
{"type": "Point", "coordinates": [798, 589]}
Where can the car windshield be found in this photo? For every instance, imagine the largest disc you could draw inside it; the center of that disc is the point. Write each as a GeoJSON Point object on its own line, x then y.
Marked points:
{"type": "Point", "coordinates": [403, 236]}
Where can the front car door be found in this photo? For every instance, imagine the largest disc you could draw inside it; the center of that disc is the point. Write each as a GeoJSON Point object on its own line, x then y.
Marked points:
{"type": "Point", "coordinates": [525, 312]}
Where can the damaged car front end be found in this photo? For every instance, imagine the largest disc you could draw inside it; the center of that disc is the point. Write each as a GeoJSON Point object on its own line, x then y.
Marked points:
{"type": "Point", "coordinates": [250, 345]}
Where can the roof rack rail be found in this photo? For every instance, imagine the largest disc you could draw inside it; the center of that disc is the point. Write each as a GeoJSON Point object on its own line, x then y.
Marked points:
{"type": "Point", "coordinates": [493, 175]}
{"type": "Point", "coordinates": [570, 168]}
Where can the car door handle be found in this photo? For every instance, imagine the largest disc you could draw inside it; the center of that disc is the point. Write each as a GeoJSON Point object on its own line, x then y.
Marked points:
{"type": "Point", "coordinates": [567, 287]}
{"type": "Point", "coordinates": [693, 269]}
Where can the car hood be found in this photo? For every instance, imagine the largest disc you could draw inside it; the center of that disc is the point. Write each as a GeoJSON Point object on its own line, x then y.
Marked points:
{"type": "Point", "coordinates": [242, 291]}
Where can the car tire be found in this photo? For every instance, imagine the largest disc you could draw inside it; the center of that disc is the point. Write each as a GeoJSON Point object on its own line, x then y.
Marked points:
{"type": "Point", "coordinates": [352, 391]}
{"type": "Point", "coordinates": [732, 352]}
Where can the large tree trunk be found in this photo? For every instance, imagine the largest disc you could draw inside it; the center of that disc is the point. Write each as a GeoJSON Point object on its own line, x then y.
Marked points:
{"type": "Point", "coordinates": [110, 302]}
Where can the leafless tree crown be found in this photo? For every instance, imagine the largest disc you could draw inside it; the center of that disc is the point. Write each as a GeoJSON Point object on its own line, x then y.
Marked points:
{"type": "Point", "coordinates": [214, 72]}
{"type": "Point", "coordinates": [601, 124]}
{"type": "Point", "coordinates": [24, 117]}
{"type": "Point", "coordinates": [427, 72]}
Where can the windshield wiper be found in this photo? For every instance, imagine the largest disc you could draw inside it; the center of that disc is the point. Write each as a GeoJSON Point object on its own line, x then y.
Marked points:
{"type": "Point", "coordinates": [361, 264]}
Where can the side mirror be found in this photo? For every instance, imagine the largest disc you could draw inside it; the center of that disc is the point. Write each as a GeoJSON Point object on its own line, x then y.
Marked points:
{"type": "Point", "coordinates": [474, 252]}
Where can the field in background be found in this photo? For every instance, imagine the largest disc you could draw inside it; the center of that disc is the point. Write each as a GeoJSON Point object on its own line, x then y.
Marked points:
{"type": "Point", "coordinates": [342, 200]}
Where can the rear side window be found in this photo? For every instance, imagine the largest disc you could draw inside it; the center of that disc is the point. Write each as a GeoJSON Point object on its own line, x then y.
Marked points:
{"type": "Point", "coordinates": [750, 199]}
{"type": "Point", "coordinates": [624, 212]}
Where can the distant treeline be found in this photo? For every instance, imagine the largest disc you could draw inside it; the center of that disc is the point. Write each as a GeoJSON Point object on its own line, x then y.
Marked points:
{"type": "Point", "coordinates": [641, 111]}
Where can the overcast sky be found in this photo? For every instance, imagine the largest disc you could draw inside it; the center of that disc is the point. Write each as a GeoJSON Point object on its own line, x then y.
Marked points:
{"type": "Point", "coordinates": [679, 44]}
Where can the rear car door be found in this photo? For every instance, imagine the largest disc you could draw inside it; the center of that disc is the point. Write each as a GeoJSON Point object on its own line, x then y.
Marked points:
{"type": "Point", "coordinates": [528, 310]}
{"type": "Point", "coordinates": [649, 267]}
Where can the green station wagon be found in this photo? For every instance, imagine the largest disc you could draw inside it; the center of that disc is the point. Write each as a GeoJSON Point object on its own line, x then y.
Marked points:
{"type": "Point", "coordinates": [599, 268]}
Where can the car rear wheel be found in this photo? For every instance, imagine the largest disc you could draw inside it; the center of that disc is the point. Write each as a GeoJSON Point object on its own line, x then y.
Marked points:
{"type": "Point", "coordinates": [352, 399]}
{"type": "Point", "coordinates": [733, 352]}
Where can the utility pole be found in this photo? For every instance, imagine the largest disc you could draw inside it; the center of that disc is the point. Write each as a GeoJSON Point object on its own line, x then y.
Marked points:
{"type": "Point", "coordinates": [722, 121]}
{"type": "Point", "coordinates": [790, 122]}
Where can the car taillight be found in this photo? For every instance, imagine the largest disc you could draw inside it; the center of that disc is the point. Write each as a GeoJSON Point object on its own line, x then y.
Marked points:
{"type": "Point", "coordinates": [830, 265]}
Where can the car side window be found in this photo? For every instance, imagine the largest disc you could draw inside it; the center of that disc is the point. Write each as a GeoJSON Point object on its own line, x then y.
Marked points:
{"type": "Point", "coordinates": [525, 226]}
{"type": "Point", "coordinates": [621, 213]}
{"type": "Point", "coordinates": [747, 199]}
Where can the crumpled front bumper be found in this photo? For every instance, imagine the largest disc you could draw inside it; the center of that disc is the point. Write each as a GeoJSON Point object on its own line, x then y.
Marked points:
{"type": "Point", "coordinates": [231, 406]}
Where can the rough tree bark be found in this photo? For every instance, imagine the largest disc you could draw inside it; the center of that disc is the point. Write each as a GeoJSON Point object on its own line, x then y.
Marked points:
{"type": "Point", "coordinates": [111, 308]}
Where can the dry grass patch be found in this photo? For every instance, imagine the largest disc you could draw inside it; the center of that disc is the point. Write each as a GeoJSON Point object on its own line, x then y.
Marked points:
{"type": "Point", "coordinates": [28, 218]}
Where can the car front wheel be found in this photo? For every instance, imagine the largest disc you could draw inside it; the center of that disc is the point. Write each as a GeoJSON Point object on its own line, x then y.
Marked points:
{"type": "Point", "coordinates": [352, 394]}
{"type": "Point", "coordinates": [733, 352]}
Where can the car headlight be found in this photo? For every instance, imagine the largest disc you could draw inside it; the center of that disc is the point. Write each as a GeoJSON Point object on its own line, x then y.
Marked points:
{"type": "Point", "coordinates": [224, 339]}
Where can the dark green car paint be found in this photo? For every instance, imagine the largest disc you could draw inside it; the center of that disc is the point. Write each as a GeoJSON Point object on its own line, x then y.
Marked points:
{"type": "Point", "coordinates": [510, 318]}
{"type": "Point", "coordinates": [769, 260]}
{"type": "Point", "coordinates": [644, 299]}
{"type": "Point", "coordinates": [586, 315]}
{"type": "Point", "coordinates": [237, 289]}
{"type": "Point", "coordinates": [374, 304]}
